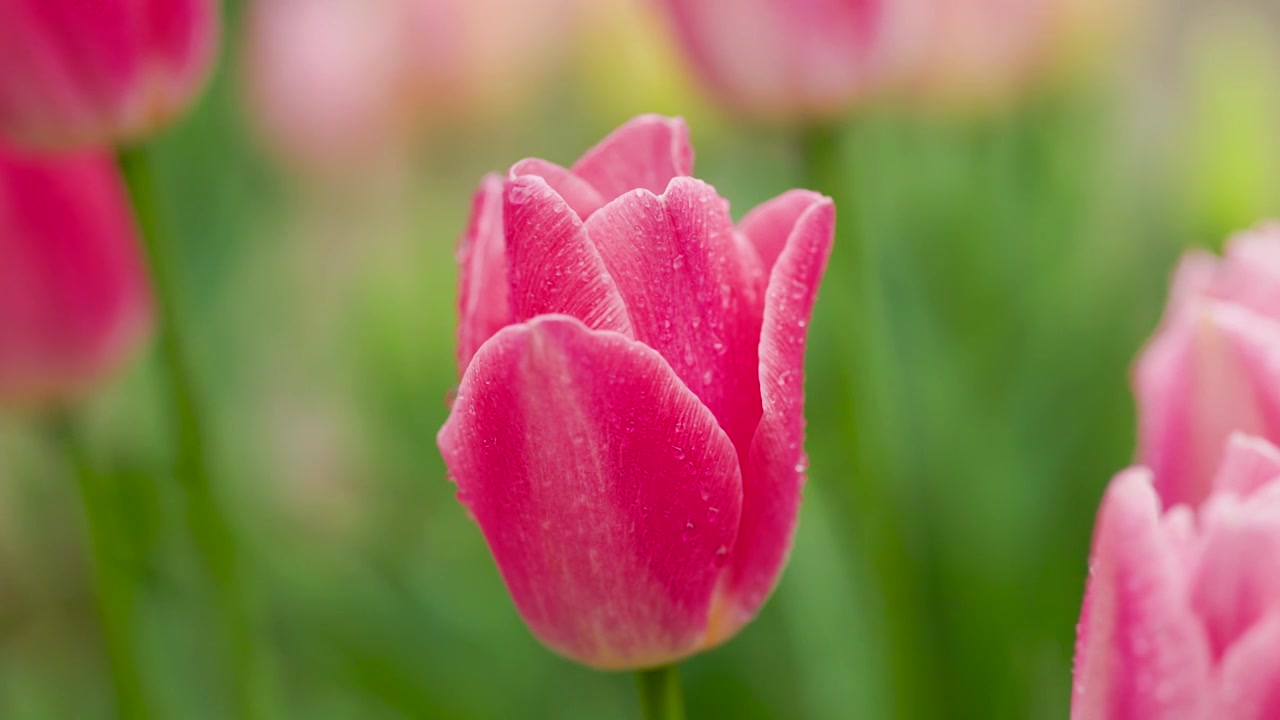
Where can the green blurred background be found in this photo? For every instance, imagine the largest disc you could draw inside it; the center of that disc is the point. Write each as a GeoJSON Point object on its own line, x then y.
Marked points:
{"type": "Point", "coordinates": [1021, 257]}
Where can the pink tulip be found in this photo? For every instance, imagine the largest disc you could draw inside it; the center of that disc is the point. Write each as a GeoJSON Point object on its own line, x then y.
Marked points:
{"type": "Point", "coordinates": [472, 58]}
{"type": "Point", "coordinates": [628, 431]}
{"type": "Point", "coordinates": [782, 58]}
{"type": "Point", "coordinates": [970, 52]}
{"type": "Point", "coordinates": [327, 79]}
{"type": "Point", "coordinates": [1214, 365]}
{"type": "Point", "coordinates": [73, 299]}
{"type": "Point", "coordinates": [1181, 617]}
{"type": "Point", "coordinates": [99, 72]}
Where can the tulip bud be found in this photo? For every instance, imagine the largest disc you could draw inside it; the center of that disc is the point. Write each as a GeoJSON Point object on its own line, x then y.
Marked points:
{"type": "Point", "coordinates": [628, 431]}
{"type": "Point", "coordinates": [780, 58]}
{"type": "Point", "coordinates": [1211, 368]}
{"type": "Point", "coordinates": [73, 299]}
{"type": "Point", "coordinates": [99, 72]}
{"type": "Point", "coordinates": [1181, 616]}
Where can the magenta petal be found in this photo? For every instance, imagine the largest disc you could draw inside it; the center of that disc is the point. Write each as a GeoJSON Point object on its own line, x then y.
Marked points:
{"type": "Point", "coordinates": [484, 304]}
{"type": "Point", "coordinates": [1140, 654]}
{"type": "Point", "coordinates": [74, 299]}
{"type": "Point", "coordinates": [645, 153]}
{"type": "Point", "coordinates": [1249, 464]}
{"type": "Point", "coordinates": [691, 291]}
{"type": "Point", "coordinates": [1250, 675]}
{"type": "Point", "coordinates": [554, 268]}
{"type": "Point", "coordinates": [583, 198]}
{"type": "Point", "coordinates": [769, 224]}
{"type": "Point", "coordinates": [607, 492]}
{"type": "Point", "coordinates": [775, 468]}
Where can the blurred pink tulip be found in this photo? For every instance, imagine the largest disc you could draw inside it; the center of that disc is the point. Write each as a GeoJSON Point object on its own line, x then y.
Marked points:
{"type": "Point", "coordinates": [1214, 365]}
{"type": "Point", "coordinates": [1181, 616]}
{"type": "Point", "coordinates": [100, 72]}
{"type": "Point", "coordinates": [628, 432]}
{"type": "Point", "coordinates": [969, 52]}
{"type": "Point", "coordinates": [976, 54]}
{"type": "Point", "coordinates": [471, 57]}
{"type": "Point", "coordinates": [335, 84]}
{"type": "Point", "coordinates": [782, 58]}
{"type": "Point", "coordinates": [73, 299]}
{"type": "Point", "coordinates": [327, 79]}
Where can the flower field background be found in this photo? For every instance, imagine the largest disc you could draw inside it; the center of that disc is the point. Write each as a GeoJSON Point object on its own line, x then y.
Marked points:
{"type": "Point", "coordinates": [1021, 252]}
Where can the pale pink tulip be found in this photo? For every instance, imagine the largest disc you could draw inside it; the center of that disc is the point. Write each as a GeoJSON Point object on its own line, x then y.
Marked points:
{"type": "Point", "coordinates": [475, 58]}
{"type": "Point", "coordinates": [1181, 617]}
{"type": "Point", "coordinates": [73, 299]}
{"type": "Point", "coordinates": [100, 72]}
{"type": "Point", "coordinates": [1213, 367]}
{"type": "Point", "coordinates": [783, 58]}
{"type": "Point", "coordinates": [327, 79]}
{"type": "Point", "coordinates": [969, 52]}
{"type": "Point", "coordinates": [629, 428]}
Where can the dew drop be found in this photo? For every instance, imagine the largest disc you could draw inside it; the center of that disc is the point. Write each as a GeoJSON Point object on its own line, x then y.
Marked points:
{"type": "Point", "coordinates": [677, 262]}
{"type": "Point", "coordinates": [677, 452]}
{"type": "Point", "coordinates": [721, 556]}
{"type": "Point", "coordinates": [690, 533]}
{"type": "Point", "coordinates": [518, 195]}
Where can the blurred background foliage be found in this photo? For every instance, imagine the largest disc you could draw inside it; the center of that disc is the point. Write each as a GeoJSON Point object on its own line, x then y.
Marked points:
{"type": "Point", "coordinates": [1021, 257]}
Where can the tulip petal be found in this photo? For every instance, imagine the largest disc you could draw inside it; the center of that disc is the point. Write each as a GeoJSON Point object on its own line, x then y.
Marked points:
{"type": "Point", "coordinates": [645, 153]}
{"type": "Point", "coordinates": [692, 290]}
{"type": "Point", "coordinates": [774, 472]}
{"type": "Point", "coordinates": [1249, 275]}
{"type": "Point", "coordinates": [1249, 464]}
{"type": "Point", "coordinates": [73, 293]}
{"type": "Point", "coordinates": [769, 224]}
{"type": "Point", "coordinates": [1212, 372]}
{"type": "Point", "coordinates": [554, 267]}
{"type": "Point", "coordinates": [1250, 675]}
{"type": "Point", "coordinates": [1140, 654]}
{"type": "Point", "coordinates": [1238, 578]}
{"type": "Point", "coordinates": [484, 302]}
{"type": "Point", "coordinates": [607, 492]}
{"type": "Point", "coordinates": [583, 198]}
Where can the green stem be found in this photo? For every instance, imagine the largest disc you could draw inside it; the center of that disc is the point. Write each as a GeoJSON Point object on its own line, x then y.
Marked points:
{"type": "Point", "coordinates": [209, 524]}
{"type": "Point", "coordinates": [660, 696]}
{"type": "Point", "coordinates": [114, 584]}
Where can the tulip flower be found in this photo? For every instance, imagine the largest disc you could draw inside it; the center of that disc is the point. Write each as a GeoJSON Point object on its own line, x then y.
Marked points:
{"type": "Point", "coordinates": [99, 73]}
{"type": "Point", "coordinates": [781, 58]}
{"type": "Point", "coordinates": [969, 52]}
{"type": "Point", "coordinates": [1181, 616]}
{"type": "Point", "coordinates": [1211, 367]}
{"type": "Point", "coordinates": [326, 80]}
{"type": "Point", "coordinates": [470, 58]}
{"type": "Point", "coordinates": [629, 426]}
{"type": "Point", "coordinates": [73, 300]}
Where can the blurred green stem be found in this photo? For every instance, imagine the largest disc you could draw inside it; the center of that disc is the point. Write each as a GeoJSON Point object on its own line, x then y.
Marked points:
{"type": "Point", "coordinates": [115, 590]}
{"type": "Point", "coordinates": [209, 523]}
{"type": "Point", "coordinates": [849, 358]}
{"type": "Point", "coordinates": [660, 696]}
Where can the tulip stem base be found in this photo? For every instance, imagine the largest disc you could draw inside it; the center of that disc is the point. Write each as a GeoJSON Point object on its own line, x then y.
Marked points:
{"type": "Point", "coordinates": [114, 584]}
{"type": "Point", "coordinates": [209, 523]}
{"type": "Point", "coordinates": [660, 695]}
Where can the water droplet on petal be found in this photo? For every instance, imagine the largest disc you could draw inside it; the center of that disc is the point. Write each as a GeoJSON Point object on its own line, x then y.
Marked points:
{"type": "Point", "coordinates": [677, 452]}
